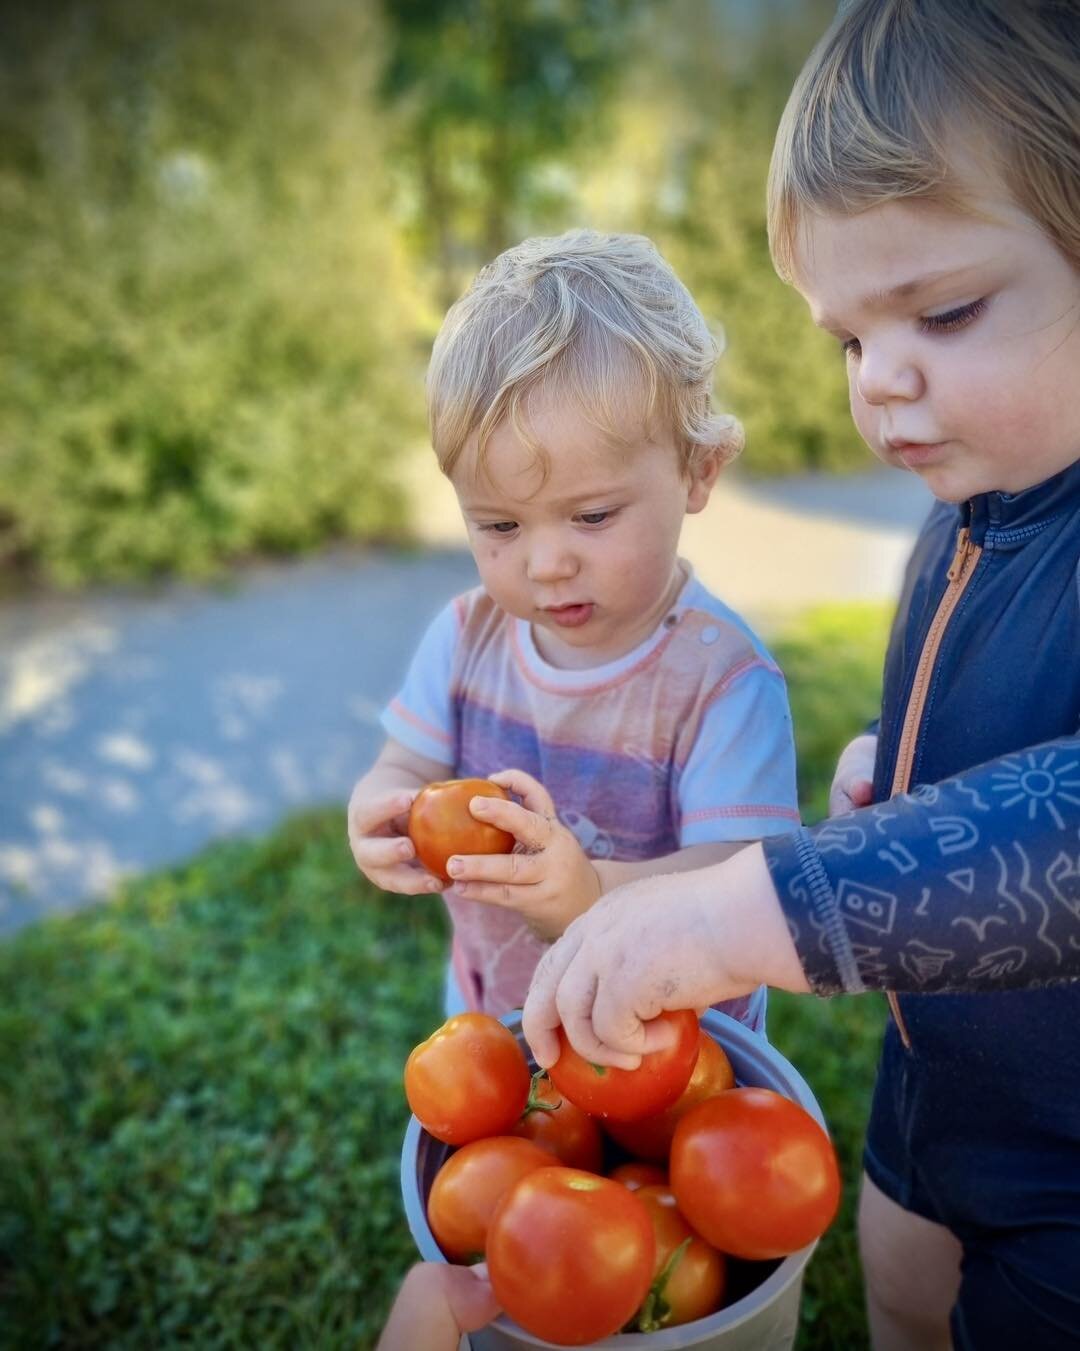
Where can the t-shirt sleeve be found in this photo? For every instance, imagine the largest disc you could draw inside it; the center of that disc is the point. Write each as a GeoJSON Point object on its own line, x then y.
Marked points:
{"type": "Point", "coordinates": [738, 782]}
{"type": "Point", "coordinates": [421, 714]}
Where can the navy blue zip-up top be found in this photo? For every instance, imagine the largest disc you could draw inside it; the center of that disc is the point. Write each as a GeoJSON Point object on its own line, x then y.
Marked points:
{"type": "Point", "coordinates": [970, 883]}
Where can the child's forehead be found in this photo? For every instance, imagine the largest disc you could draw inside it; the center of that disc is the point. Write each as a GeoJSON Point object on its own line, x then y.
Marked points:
{"type": "Point", "coordinates": [560, 453]}
{"type": "Point", "coordinates": [900, 250]}
{"type": "Point", "coordinates": [972, 203]}
{"type": "Point", "coordinates": [579, 427]}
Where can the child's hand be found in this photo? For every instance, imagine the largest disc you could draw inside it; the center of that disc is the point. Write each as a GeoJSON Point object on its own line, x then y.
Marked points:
{"type": "Point", "coordinates": [435, 1305]}
{"type": "Point", "coordinates": [853, 782]}
{"type": "Point", "coordinates": [670, 941]}
{"type": "Point", "coordinates": [378, 838]}
{"type": "Point", "coordinates": [549, 881]}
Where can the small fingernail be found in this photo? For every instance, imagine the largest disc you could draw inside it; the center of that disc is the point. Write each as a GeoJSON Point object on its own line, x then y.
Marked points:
{"type": "Point", "coordinates": [455, 867]}
{"type": "Point", "coordinates": [479, 804]}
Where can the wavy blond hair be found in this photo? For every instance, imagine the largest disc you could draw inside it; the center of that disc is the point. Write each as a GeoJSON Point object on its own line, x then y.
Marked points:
{"type": "Point", "coordinates": [597, 319]}
{"type": "Point", "coordinates": [895, 87]}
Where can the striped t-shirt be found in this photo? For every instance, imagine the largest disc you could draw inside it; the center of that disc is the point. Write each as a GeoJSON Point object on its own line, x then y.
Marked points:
{"type": "Point", "coordinates": [685, 740]}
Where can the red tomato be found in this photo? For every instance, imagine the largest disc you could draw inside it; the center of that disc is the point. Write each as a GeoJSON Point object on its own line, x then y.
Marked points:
{"type": "Point", "coordinates": [469, 1186]}
{"type": "Point", "coordinates": [651, 1138]}
{"type": "Point", "coordinates": [469, 1079]}
{"type": "Point", "coordinates": [638, 1175]}
{"type": "Point", "coordinates": [754, 1173]}
{"type": "Point", "coordinates": [694, 1287]}
{"type": "Point", "coordinates": [440, 823]}
{"type": "Point", "coordinates": [629, 1095]}
{"type": "Point", "coordinates": [560, 1127]}
{"type": "Point", "coordinates": [570, 1255]}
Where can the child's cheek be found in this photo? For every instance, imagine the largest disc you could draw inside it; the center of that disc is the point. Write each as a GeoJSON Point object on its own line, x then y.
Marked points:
{"type": "Point", "coordinates": [867, 422]}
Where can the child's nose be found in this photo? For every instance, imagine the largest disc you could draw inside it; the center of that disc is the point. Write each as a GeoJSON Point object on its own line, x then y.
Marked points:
{"type": "Point", "coordinates": [884, 375]}
{"type": "Point", "coordinates": [550, 559]}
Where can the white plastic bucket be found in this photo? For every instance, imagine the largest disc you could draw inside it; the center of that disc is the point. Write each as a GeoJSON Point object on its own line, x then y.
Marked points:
{"type": "Point", "coordinates": [763, 1318]}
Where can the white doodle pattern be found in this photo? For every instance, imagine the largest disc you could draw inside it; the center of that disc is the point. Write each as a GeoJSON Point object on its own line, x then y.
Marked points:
{"type": "Point", "coordinates": [1009, 917]}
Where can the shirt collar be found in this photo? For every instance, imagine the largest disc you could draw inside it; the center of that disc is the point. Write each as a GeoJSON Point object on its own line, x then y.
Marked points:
{"type": "Point", "coordinates": [1009, 520]}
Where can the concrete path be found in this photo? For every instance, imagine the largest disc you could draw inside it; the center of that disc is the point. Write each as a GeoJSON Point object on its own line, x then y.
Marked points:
{"type": "Point", "coordinates": [136, 726]}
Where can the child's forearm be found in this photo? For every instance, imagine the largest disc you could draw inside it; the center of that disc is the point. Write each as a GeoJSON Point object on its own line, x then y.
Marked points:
{"type": "Point", "coordinates": [614, 874]}
{"type": "Point", "coordinates": [390, 778]}
{"type": "Point", "coordinates": [969, 885]}
{"type": "Point", "coordinates": [397, 769]}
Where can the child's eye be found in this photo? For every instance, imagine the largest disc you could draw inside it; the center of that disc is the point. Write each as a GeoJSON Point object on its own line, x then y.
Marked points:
{"type": "Point", "coordinates": [498, 527]}
{"type": "Point", "coordinates": [951, 320]}
{"type": "Point", "coordinates": [849, 347]}
{"type": "Point", "coordinates": [595, 517]}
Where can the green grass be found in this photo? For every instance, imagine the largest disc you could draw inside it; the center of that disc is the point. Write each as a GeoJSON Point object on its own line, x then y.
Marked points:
{"type": "Point", "coordinates": [204, 1104]}
{"type": "Point", "coordinates": [202, 1087]}
{"type": "Point", "coordinates": [832, 658]}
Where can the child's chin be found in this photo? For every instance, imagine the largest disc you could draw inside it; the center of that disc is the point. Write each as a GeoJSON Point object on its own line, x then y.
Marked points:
{"type": "Point", "coordinates": [945, 481]}
{"type": "Point", "coordinates": [949, 485]}
{"type": "Point", "coordinates": [946, 490]}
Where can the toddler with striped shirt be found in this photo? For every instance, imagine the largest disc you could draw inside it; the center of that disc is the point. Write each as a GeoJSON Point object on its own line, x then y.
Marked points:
{"type": "Point", "coordinates": [639, 723]}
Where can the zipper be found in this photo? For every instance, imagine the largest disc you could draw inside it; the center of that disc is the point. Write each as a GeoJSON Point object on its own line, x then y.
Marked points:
{"type": "Point", "coordinates": [961, 570]}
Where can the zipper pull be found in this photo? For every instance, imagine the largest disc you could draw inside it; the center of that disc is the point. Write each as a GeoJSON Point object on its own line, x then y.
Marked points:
{"type": "Point", "coordinates": [963, 552]}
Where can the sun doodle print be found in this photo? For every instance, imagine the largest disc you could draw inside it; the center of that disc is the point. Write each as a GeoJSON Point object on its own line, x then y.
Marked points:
{"type": "Point", "coordinates": [1036, 779]}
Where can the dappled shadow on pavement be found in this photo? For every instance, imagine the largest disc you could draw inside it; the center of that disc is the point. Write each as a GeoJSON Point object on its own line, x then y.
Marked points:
{"type": "Point", "coordinates": [133, 728]}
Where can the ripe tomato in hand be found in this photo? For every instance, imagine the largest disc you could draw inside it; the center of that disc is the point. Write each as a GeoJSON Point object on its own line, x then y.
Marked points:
{"type": "Point", "coordinates": [754, 1173]}
{"type": "Point", "coordinates": [469, 1079]}
{"type": "Point", "coordinates": [469, 1186]}
{"type": "Point", "coordinates": [694, 1287]}
{"type": "Point", "coordinates": [638, 1175]}
{"type": "Point", "coordinates": [555, 1124]}
{"type": "Point", "coordinates": [440, 823]}
{"type": "Point", "coordinates": [570, 1255]}
{"type": "Point", "coordinates": [651, 1137]}
{"type": "Point", "coordinates": [629, 1095]}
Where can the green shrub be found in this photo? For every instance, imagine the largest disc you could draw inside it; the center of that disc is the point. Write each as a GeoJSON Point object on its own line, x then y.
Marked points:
{"type": "Point", "coordinates": [201, 360]}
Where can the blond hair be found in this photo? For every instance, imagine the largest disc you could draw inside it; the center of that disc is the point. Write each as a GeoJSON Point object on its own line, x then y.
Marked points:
{"type": "Point", "coordinates": [597, 319]}
{"type": "Point", "coordinates": [895, 87]}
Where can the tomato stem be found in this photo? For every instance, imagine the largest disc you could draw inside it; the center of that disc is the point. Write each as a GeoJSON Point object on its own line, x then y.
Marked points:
{"type": "Point", "coordinates": [534, 1103]}
{"type": "Point", "coordinates": [656, 1311]}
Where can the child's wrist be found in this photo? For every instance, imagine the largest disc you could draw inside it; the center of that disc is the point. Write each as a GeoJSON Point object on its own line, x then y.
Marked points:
{"type": "Point", "coordinates": [754, 936]}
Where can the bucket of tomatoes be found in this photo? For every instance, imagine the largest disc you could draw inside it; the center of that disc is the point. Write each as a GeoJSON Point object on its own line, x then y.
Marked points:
{"type": "Point", "coordinates": [674, 1206]}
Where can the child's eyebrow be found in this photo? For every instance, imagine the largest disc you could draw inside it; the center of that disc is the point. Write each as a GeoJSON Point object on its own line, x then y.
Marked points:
{"type": "Point", "coordinates": [591, 494]}
{"type": "Point", "coordinates": [882, 299]}
{"type": "Point", "coordinates": [484, 509]}
{"type": "Point", "coordinates": [595, 494]}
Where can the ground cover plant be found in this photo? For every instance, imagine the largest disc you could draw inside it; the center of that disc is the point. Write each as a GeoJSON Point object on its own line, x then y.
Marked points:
{"type": "Point", "coordinates": [203, 1110]}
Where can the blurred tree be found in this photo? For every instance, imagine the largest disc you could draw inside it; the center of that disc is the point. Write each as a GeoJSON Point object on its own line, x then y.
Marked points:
{"type": "Point", "coordinates": [488, 91]}
{"type": "Point", "coordinates": [695, 126]}
{"type": "Point", "coordinates": [208, 345]}
{"type": "Point", "coordinates": [227, 231]}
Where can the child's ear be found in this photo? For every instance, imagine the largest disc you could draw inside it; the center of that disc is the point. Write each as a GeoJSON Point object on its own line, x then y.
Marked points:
{"type": "Point", "coordinates": [703, 478]}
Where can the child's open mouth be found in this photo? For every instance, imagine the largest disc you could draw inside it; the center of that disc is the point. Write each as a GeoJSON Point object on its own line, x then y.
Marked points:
{"type": "Point", "coordinates": [571, 616]}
